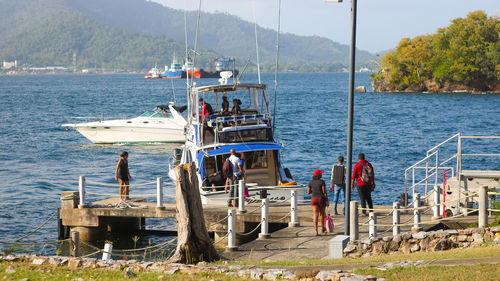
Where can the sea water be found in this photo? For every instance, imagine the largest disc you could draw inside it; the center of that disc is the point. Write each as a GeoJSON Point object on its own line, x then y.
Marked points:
{"type": "Point", "coordinates": [40, 159]}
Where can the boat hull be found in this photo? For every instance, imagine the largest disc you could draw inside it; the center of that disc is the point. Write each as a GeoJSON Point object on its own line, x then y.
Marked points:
{"type": "Point", "coordinates": [105, 134]}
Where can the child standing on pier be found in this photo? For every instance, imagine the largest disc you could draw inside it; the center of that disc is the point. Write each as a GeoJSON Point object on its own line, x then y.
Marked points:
{"type": "Point", "coordinates": [122, 175]}
{"type": "Point", "coordinates": [337, 184]}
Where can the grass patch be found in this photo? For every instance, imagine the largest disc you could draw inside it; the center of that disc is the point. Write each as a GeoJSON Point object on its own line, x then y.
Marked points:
{"type": "Point", "coordinates": [480, 252]}
{"type": "Point", "coordinates": [479, 272]}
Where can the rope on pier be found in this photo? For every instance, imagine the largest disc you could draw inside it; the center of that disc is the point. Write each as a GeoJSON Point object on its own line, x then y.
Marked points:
{"type": "Point", "coordinates": [40, 226]}
{"type": "Point", "coordinates": [118, 185]}
{"type": "Point", "coordinates": [212, 224]}
{"type": "Point", "coordinates": [222, 238]}
{"type": "Point", "coordinates": [248, 233]}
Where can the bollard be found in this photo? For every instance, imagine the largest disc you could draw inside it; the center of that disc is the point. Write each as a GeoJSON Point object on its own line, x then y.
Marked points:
{"type": "Point", "coordinates": [396, 229]}
{"type": "Point", "coordinates": [483, 207]}
{"type": "Point", "coordinates": [416, 214]}
{"type": "Point", "coordinates": [231, 230]}
{"type": "Point", "coordinates": [81, 190]}
{"type": "Point", "coordinates": [75, 243]}
{"type": "Point", "coordinates": [159, 193]}
{"type": "Point", "coordinates": [264, 220]}
{"type": "Point", "coordinates": [353, 222]}
{"type": "Point", "coordinates": [435, 208]}
{"type": "Point", "coordinates": [108, 248]}
{"type": "Point", "coordinates": [241, 197]}
{"type": "Point", "coordinates": [294, 218]}
{"type": "Point", "coordinates": [373, 225]}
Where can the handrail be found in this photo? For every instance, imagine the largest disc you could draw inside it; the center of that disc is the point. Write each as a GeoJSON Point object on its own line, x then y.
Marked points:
{"type": "Point", "coordinates": [444, 142]}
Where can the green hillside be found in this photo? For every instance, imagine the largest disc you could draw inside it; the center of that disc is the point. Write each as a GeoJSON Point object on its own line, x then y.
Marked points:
{"type": "Point", "coordinates": [134, 34]}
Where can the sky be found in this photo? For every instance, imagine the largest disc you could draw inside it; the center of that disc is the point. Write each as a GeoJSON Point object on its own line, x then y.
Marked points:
{"type": "Point", "coordinates": [381, 24]}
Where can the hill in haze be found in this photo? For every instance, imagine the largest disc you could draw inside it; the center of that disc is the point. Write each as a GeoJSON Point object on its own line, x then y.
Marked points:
{"type": "Point", "coordinates": [134, 34]}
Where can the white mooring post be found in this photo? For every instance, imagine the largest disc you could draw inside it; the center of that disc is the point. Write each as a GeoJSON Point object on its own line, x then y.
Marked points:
{"type": "Point", "coordinates": [159, 192]}
{"type": "Point", "coordinates": [81, 190]}
{"type": "Point", "coordinates": [353, 222]}
{"type": "Point", "coordinates": [108, 248]}
{"type": "Point", "coordinates": [396, 229]}
{"type": "Point", "coordinates": [416, 214]}
{"type": "Point", "coordinates": [294, 217]}
{"type": "Point", "coordinates": [483, 207]}
{"type": "Point", "coordinates": [435, 208]}
{"type": "Point", "coordinates": [231, 230]}
{"type": "Point", "coordinates": [264, 220]}
{"type": "Point", "coordinates": [241, 197]}
{"type": "Point", "coordinates": [372, 225]}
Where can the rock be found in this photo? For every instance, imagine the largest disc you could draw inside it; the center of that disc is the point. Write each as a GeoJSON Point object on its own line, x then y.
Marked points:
{"type": "Point", "coordinates": [461, 238]}
{"type": "Point", "coordinates": [406, 235]}
{"type": "Point", "coordinates": [325, 275]}
{"type": "Point", "coordinates": [405, 247]}
{"type": "Point", "coordinates": [255, 273]}
{"type": "Point", "coordinates": [397, 238]}
{"type": "Point", "coordinates": [130, 274]}
{"type": "Point", "coordinates": [414, 248]}
{"type": "Point", "coordinates": [353, 277]}
{"type": "Point", "coordinates": [393, 246]}
{"type": "Point", "coordinates": [425, 244]}
{"type": "Point", "coordinates": [58, 261]}
{"type": "Point", "coordinates": [480, 230]}
{"type": "Point", "coordinates": [380, 248]}
{"type": "Point", "coordinates": [77, 279]}
{"type": "Point", "coordinates": [360, 89]}
{"type": "Point", "coordinates": [278, 275]}
{"type": "Point", "coordinates": [387, 238]}
{"type": "Point", "coordinates": [452, 232]}
{"type": "Point", "coordinates": [74, 263]}
{"type": "Point", "coordinates": [349, 248]}
{"type": "Point", "coordinates": [11, 258]}
{"type": "Point", "coordinates": [469, 238]}
{"type": "Point", "coordinates": [172, 271]}
{"type": "Point", "coordinates": [440, 245]}
{"type": "Point", "coordinates": [39, 261]}
{"type": "Point", "coordinates": [419, 235]}
{"type": "Point", "coordinates": [10, 269]}
{"type": "Point", "coordinates": [478, 238]}
{"type": "Point", "coordinates": [441, 233]}
{"type": "Point", "coordinates": [495, 229]}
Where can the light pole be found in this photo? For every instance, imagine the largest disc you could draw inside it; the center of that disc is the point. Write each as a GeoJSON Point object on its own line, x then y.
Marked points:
{"type": "Point", "coordinates": [350, 113]}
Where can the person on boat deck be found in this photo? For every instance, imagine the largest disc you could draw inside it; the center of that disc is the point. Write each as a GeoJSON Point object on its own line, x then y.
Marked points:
{"type": "Point", "coordinates": [122, 175]}
{"type": "Point", "coordinates": [206, 110]}
{"type": "Point", "coordinates": [365, 186]}
{"type": "Point", "coordinates": [225, 107]}
{"type": "Point", "coordinates": [234, 178]}
{"type": "Point", "coordinates": [319, 199]}
{"type": "Point", "coordinates": [236, 110]}
{"type": "Point", "coordinates": [216, 179]}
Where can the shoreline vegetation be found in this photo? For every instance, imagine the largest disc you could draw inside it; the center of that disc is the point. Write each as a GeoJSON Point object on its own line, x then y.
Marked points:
{"type": "Point", "coordinates": [462, 57]}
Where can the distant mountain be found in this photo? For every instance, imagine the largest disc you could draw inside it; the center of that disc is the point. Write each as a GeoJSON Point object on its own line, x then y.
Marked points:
{"type": "Point", "coordinates": [134, 34]}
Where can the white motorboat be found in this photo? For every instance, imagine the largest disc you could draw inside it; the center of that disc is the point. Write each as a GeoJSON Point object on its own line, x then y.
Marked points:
{"type": "Point", "coordinates": [208, 143]}
{"type": "Point", "coordinates": [162, 124]}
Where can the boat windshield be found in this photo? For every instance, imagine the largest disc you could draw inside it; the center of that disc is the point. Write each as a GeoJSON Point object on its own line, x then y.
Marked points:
{"type": "Point", "coordinates": [156, 113]}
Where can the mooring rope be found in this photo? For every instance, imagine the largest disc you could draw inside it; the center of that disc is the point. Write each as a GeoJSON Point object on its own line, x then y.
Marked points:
{"type": "Point", "coordinates": [40, 226]}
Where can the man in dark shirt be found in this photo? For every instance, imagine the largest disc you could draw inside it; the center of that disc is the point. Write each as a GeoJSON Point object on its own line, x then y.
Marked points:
{"type": "Point", "coordinates": [365, 181]}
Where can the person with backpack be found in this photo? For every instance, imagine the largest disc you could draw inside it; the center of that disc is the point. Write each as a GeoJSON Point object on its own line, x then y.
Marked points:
{"type": "Point", "coordinates": [364, 176]}
{"type": "Point", "coordinates": [234, 172]}
{"type": "Point", "coordinates": [337, 184]}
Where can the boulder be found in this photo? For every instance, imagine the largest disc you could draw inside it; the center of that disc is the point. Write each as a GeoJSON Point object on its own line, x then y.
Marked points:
{"type": "Point", "coordinates": [74, 263]}
{"type": "Point", "coordinates": [419, 235]}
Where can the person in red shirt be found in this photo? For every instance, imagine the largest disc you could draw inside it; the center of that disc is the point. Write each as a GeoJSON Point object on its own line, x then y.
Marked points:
{"type": "Point", "coordinates": [365, 182]}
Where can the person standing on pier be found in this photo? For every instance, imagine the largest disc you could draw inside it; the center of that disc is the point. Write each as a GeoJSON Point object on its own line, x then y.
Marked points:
{"type": "Point", "coordinates": [364, 176]}
{"type": "Point", "coordinates": [319, 199]}
{"type": "Point", "coordinates": [337, 184]}
{"type": "Point", "coordinates": [122, 175]}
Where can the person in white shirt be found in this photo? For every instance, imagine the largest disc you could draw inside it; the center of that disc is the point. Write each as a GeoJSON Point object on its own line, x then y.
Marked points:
{"type": "Point", "coordinates": [235, 177]}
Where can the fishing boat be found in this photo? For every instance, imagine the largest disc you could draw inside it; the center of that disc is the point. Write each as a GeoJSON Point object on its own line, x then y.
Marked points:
{"type": "Point", "coordinates": [175, 70]}
{"type": "Point", "coordinates": [210, 140]}
{"type": "Point", "coordinates": [189, 69]}
{"type": "Point", "coordinates": [162, 124]}
{"type": "Point", "coordinates": [154, 73]}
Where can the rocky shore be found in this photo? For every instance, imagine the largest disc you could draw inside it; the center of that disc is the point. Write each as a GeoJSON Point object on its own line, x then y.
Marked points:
{"type": "Point", "coordinates": [430, 86]}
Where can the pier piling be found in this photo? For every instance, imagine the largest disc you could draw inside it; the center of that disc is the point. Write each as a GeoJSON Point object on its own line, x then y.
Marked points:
{"type": "Point", "coordinates": [294, 221]}
{"type": "Point", "coordinates": [241, 197]}
{"type": "Point", "coordinates": [264, 226]}
{"type": "Point", "coordinates": [483, 207]}
{"type": "Point", "coordinates": [353, 221]}
{"type": "Point", "coordinates": [81, 190]}
{"type": "Point", "coordinates": [372, 232]}
{"type": "Point", "coordinates": [75, 243]}
{"type": "Point", "coordinates": [231, 230]}
{"type": "Point", "coordinates": [416, 214]}
{"type": "Point", "coordinates": [396, 229]}
{"type": "Point", "coordinates": [159, 192]}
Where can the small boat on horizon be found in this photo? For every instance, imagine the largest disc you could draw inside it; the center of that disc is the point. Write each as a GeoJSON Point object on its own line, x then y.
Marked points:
{"type": "Point", "coordinates": [163, 124]}
{"type": "Point", "coordinates": [154, 73]}
{"type": "Point", "coordinates": [174, 71]}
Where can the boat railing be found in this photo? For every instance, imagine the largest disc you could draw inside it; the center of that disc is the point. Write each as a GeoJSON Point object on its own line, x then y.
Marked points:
{"type": "Point", "coordinates": [426, 171]}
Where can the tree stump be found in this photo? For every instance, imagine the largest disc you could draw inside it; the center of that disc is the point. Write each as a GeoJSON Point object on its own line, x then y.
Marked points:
{"type": "Point", "coordinates": [193, 243]}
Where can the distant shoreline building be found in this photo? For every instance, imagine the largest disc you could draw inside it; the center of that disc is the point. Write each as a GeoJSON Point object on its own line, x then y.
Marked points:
{"type": "Point", "coordinates": [9, 64]}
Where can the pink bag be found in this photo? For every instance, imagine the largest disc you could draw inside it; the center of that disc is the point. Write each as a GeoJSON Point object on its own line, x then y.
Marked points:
{"type": "Point", "coordinates": [329, 222]}
{"type": "Point", "coordinates": [246, 192]}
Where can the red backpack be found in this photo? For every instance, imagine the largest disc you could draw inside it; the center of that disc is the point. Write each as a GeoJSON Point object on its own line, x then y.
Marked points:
{"type": "Point", "coordinates": [227, 169]}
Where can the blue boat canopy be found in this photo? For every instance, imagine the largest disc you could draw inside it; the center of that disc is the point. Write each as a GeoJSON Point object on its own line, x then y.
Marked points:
{"type": "Point", "coordinates": [242, 147]}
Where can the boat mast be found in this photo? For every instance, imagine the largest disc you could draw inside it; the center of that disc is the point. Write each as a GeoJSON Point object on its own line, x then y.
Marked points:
{"type": "Point", "coordinates": [256, 43]}
{"type": "Point", "coordinates": [277, 60]}
{"type": "Point", "coordinates": [185, 59]}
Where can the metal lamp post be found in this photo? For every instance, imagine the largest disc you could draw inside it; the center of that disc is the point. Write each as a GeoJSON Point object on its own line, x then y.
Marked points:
{"type": "Point", "coordinates": [350, 113]}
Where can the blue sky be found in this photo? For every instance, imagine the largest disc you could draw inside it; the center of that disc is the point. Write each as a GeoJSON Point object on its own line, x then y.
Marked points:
{"type": "Point", "coordinates": [380, 26]}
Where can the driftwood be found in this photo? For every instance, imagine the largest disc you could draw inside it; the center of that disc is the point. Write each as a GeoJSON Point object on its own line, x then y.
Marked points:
{"type": "Point", "coordinates": [193, 243]}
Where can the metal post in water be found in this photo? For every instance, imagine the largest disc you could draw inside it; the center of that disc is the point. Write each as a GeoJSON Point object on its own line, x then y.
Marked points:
{"type": "Point", "coordinates": [396, 229]}
{"type": "Point", "coordinates": [108, 248]}
{"type": "Point", "coordinates": [81, 190]}
{"type": "Point", "coordinates": [294, 218]}
{"type": "Point", "coordinates": [435, 208]}
{"type": "Point", "coordinates": [75, 243]}
{"type": "Point", "coordinates": [241, 197]}
{"type": "Point", "coordinates": [353, 220]}
{"type": "Point", "coordinates": [416, 214]}
{"type": "Point", "coordinates": [483, 207]}
{"type": "Point", "coordinates": [159, 192]}
{"type": "Point", "coordinates": [231, 230]}
{"type": "Point", "coordinates": [372, 225]}
{"type": "Point", "coordinates": [264, 220]}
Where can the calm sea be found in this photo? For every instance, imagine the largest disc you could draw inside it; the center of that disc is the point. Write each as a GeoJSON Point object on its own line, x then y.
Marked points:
{"type": "Point", "coordinates": [39, 159]}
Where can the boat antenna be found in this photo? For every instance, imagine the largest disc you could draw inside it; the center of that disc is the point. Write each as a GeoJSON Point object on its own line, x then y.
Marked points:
{"type": "Point", "coordinates": [186, 53]}
{"type": "Point", "coordinates": [195, 42]}
{"type": "Point", "coordinates": [277, 61]}
{"type": "Point", "coordinates": [241, 74]}
{"type": "Point", "coordinates": [256, 42]}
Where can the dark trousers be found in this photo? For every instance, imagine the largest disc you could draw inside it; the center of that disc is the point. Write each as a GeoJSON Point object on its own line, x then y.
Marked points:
{"type": "Point", "coordinates": [365, 196]}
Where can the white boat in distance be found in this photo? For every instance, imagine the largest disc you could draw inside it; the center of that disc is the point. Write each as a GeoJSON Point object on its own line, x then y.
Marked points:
{"type": "Point", "coordinates": [162, 124]}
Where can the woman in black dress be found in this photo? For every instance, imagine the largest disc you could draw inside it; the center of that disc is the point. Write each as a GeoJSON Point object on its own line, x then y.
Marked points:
{"type": "Point", "coordinates": [319, 199]}
{"type": "Point", "coordinates": [122, 175]}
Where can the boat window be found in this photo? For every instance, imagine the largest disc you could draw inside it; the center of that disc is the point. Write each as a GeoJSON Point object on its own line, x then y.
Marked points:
{"type": "Point", "coordinates": [129, 122]}
{"type": "Point", "coordinates": [263, 134]}
{"type": "Point", "coordinates": [154, 114]}
{"type": "Point", "coordinates": [256, 159]}
{"type": "Point", "coordinates": [209, 166]}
